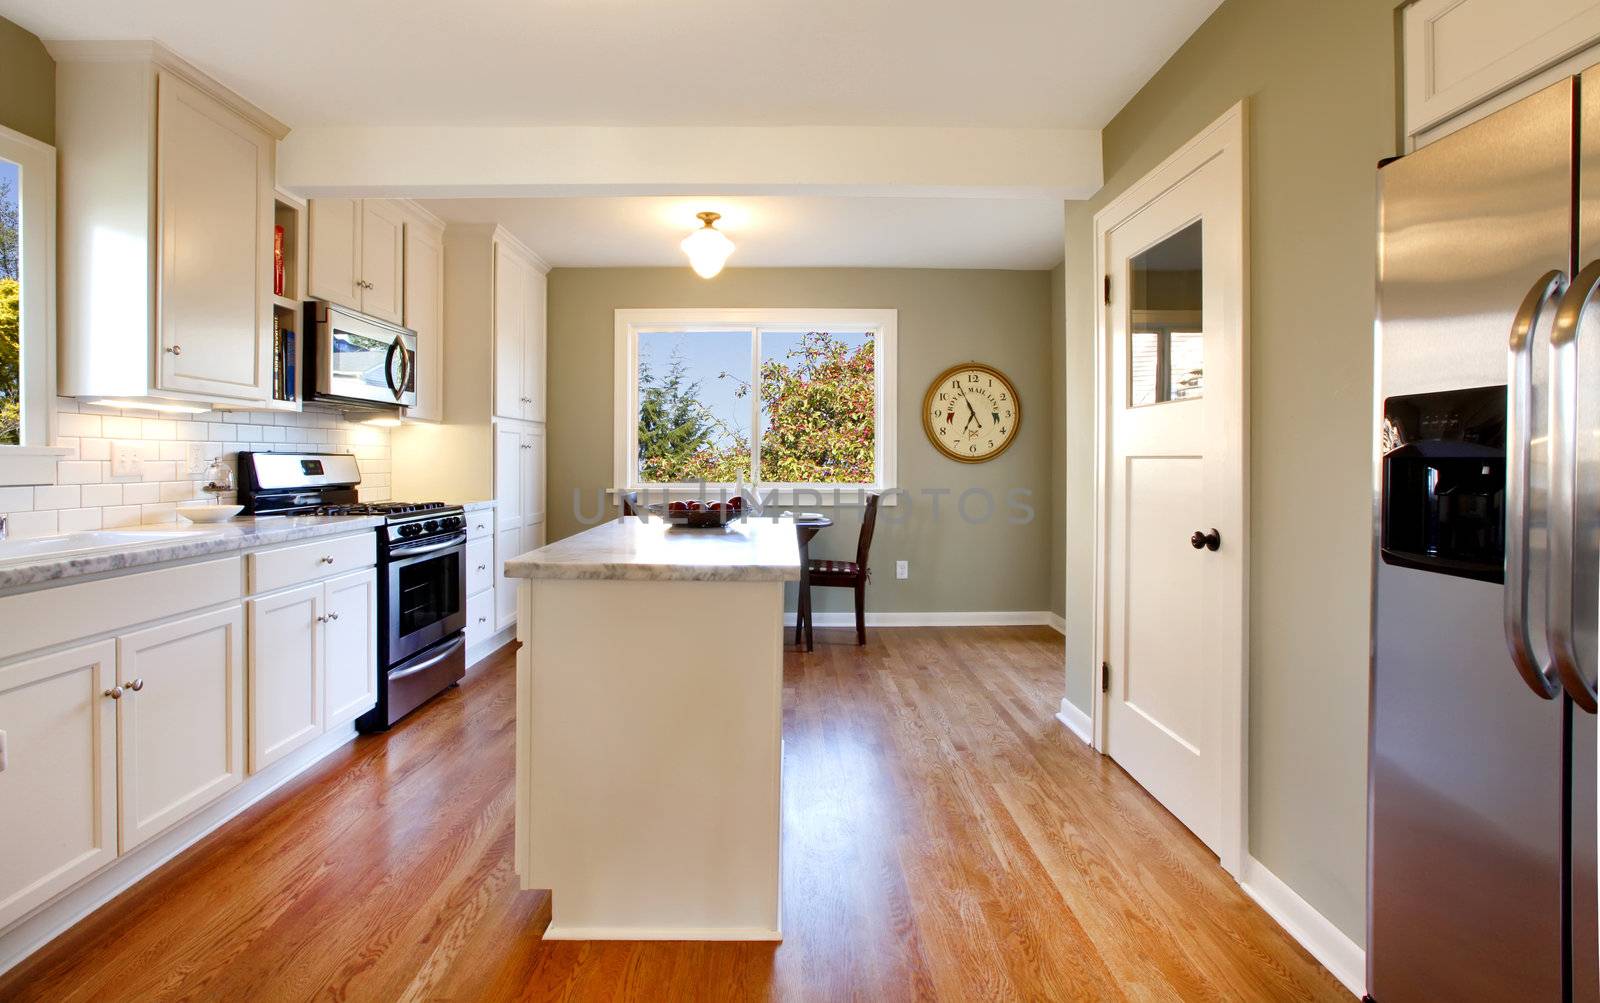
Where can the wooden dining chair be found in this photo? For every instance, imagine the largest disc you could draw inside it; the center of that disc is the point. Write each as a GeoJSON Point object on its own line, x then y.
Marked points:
{"type": "Point", "coordinates": [851, 574]}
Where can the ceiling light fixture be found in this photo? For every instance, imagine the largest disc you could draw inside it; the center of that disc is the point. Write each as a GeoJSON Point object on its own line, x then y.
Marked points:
{"type": "Point", "coordinates": [708, 248]}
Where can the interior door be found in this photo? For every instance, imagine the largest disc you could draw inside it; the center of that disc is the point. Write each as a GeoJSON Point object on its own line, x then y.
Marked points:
{"type": "Point", "coordinates": [214, 178]}
{"type": "Point", "coordinates": [58, 791]}
{"type": "Point", "coordinates": [334, 251]}
{"type": "Point", "coordinates": [350, 646]}
{"type": "Point", "coordinates": [180, 722]}
{"type": "Point", "coordinates": [285, 673]}
{"type": "Point", "coordinates": [382, 259]}
{"type": "Point", "coordinates": [1174, 567]}
{"type": "Point", "coordinates": [510, 336]}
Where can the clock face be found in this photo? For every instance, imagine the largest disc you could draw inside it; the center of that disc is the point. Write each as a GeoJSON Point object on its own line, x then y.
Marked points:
{"type": "Point", "coordinates": [971, 413]}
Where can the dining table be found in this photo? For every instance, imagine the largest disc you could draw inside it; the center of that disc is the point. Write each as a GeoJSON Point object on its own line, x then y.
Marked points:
{"type": "Point", "coordinates": [806, 528]}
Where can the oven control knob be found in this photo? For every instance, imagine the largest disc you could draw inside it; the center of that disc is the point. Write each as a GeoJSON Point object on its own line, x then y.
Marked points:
{"type": "Point", "coordinates": [453, 522]}
{"type": "Point", "coordinates": [432, 525]}
{"type": "Point", "coordinates": [410, 529]}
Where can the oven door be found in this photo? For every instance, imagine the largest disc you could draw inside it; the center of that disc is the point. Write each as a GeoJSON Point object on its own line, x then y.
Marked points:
{"type": "Point", "coordinates": [425, 593]}
{"type": "Point", "coordinates": [361, 358]}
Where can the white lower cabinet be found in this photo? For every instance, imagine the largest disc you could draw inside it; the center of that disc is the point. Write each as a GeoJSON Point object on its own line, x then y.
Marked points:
{"type": "Point", "coordinates": [507, 544]}
{"type": "Point", "coordinates": [350, 646]}
{"type": "Point", "coordinates": [58, 784]}
{"type": "Point", "coordinates": [285, 673]}
{"type": "Point", "coordinates": [180, 719]}
{"type": "Point", "coordinates": [481, 624]}
{"type": "Point", "coordinates": [313, 662]}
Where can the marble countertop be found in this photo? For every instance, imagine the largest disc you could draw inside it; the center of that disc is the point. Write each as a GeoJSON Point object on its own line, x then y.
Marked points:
{"type": "Point", "coordinates": [145, 545]}
{"type": "Point", "coordinates": [631, 549]}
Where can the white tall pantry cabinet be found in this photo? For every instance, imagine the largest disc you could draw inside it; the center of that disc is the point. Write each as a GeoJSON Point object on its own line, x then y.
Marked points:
{"type": "Point", "coordinates": [490, 443]}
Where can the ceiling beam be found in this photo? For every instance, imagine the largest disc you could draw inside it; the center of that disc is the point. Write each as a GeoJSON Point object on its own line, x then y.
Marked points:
{"type": "Point", "coordinates": [511, 161]}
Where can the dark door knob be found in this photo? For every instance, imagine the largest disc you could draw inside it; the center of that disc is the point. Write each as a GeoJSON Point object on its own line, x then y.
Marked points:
{"type": "Point", "coordinates": [1205, 541]}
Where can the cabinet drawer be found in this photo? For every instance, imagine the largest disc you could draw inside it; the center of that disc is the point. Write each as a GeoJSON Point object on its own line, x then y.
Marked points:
{"type": "Point", "coordinates": [304, 562]}
{"type": "Point", "coordinates": [480, 523]}
{"type": "Point", "coordinates": [480, 618]}
{"type": "Point", "coordinates": [480, 564]}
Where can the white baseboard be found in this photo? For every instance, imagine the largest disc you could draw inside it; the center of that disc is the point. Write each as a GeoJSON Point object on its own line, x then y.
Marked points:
{"type": "Point", "coordinates": [1077, 721]}
{"type": "Point", "coordinates": [66, 910]}
{"type": "Point", "coordinates": [554, 932]}
{"type": "Point", "coordinates": [1326, 942]}
{"type": "Point", "coordinates": [976, 618]}
{"type": "Point", "coordinates": [1059, 624]}
{"type": "Point", "coordinates": [478, 652]}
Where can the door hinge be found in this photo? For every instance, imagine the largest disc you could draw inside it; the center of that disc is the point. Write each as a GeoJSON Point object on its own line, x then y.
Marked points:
{"type": "Point", "coordinates": [1108, 290]}
{"type": "Point", "coordinates": [1105, 677]}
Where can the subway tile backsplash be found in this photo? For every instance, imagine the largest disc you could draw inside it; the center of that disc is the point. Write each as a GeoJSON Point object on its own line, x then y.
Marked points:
{"type": "Point", "coordinates": [86, 495]}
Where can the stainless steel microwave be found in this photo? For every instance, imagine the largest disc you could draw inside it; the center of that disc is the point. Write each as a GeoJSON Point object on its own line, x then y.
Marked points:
{"type": "Point", "coordinates": [352, 358]}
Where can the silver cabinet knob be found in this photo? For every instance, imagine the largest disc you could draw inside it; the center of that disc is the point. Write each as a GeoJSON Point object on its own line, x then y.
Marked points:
{"type": "Point", "coordinates": [114, 693]}
{"type": "Point", "coordinates": [325, 559]}
{"type": "Point", "coordinates": [483, 619]}
{"type": "Point", "coordinates": [136, 685]}
{"type": "Point", "coordinates": [333, 616]}
{"type": "Point", "coordinates": [322, 619]}
{"type": "Point", "coordinates": [174, 349]}
{"type": "Point", "coordinates": [483, 567]}
{"type": "Point", "coordinates": [480, 525]}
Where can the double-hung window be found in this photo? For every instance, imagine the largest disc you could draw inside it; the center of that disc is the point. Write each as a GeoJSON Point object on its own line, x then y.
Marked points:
{"type": "Point", "coordinates": [27, 287]}
{"type": "Point", "coordinates": [777, 400]}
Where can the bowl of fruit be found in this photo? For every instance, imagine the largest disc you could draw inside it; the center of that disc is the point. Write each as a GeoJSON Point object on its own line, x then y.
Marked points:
{"type": "Point", "coordinates": [700, 515]}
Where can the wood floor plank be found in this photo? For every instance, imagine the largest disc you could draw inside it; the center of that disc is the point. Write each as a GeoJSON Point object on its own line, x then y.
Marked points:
{"type": "Point", "coordinates": [944, 839]}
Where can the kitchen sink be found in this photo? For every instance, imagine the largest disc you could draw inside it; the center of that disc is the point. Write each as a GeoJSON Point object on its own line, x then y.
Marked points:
{"type": "Point", "coordinates": [92, 541]}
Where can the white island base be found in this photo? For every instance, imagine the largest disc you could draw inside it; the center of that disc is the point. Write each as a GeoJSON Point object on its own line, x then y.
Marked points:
{"type": "Point", "coordinates": [649, 733]}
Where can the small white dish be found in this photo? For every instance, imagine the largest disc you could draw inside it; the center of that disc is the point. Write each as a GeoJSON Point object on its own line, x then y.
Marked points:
{"type": "Point", "coordinates": [209, 513]}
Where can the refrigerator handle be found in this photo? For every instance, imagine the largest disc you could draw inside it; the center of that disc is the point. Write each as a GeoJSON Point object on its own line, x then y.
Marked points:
{"type": "Point", "coordinates": [1563, 483]}
{"type": "Point", "coordinates": [1519, 429]}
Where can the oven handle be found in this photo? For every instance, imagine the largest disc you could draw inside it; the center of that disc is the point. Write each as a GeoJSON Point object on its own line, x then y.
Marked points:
{"type": "Point", "coordinates": [433, 548]}
{"type": "Point", "coordinates": [429, 662]}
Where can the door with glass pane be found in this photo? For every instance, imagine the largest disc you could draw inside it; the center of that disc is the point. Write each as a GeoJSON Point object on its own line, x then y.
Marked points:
{"type": "Point", "coordinates": [1174, 500]}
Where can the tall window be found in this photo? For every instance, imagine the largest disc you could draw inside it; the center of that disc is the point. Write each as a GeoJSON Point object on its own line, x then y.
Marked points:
{"type": "Point", "coordinates": [777, 399]}
{"type": "Point", "coordinates": [27, 209]}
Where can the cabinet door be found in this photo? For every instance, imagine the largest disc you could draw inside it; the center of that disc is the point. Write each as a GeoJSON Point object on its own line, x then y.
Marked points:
{"type": "Point", "coordinates": [507, 544]}
{"type": "Point", "coordinates": [214, 207]}
{"type": "Point", "coordinates": [180, 735]}
{"type": "Point", "coordinates": [508, 474]}
{"type": "Point", "coordinates": [382, 259]}
{"type": "Point", "coordinates": [533, 378]}
{"type": "Point", "coordinates": [532, 475]}
{"type": "Point", "coordinates": [58, 790]}
{"type": "Point", "coordinates": [350, 645]}
{"type": "Point", "coordinates": [510, 336]}
{"type": "Point", "coordinates": [334, 251]}
{"type": "Point", "coordinates": [285, 673]}
{"type": "Point", "coordinates": [424, 314]}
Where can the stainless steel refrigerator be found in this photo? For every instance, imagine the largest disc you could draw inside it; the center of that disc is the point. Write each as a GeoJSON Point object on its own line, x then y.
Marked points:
{"type": "Point", "coordinates": [1481, 797]}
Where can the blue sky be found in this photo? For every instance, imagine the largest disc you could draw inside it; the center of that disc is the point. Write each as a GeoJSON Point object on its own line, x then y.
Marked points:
{"type": "Point", "coordinates": [706, 354]}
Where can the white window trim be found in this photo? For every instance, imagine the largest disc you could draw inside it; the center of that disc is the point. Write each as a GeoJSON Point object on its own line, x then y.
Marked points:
{"type": "Point", "coordinates": [34, 461]}
{"type": "Point", "coordinates": [629, 324]}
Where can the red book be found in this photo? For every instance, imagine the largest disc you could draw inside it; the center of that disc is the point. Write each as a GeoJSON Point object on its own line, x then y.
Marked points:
{"type": "Point", "coordinates": [277, 261]}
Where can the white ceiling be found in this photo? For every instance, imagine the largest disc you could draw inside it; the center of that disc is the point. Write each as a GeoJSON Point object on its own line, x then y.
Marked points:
{"type": "Point", "coordinates": [796, 232]}
{"type": "Point", "coordinates": [1002, 63]}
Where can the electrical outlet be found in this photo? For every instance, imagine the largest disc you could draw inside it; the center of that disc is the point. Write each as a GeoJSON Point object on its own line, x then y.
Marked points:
{"type": "Point", "coordinates": [125, 460]}
{"type": "Point", "coordinates": [902, 569]}
{"type": "Point", "coordinates": [195, 455]}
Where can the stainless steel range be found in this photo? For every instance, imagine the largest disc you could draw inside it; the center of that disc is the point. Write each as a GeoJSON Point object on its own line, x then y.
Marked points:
{"type": "Point", "coordinates": [422, 570]}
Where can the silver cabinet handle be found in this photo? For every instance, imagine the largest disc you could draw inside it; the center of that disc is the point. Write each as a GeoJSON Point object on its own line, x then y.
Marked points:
{"type": "Point", "coordinates": [333, 616]}
{"type": "Point", "coordinates": [174, 349]}
{"type": "Point", "coordinates": [483, 619]}
{"type": "Point", "coordinates": [325, 559]}
{"type": "Point", "coordinates": [480, 525]}
{"type": "Point", "coordinates": [1519, 430]}
{"type": "Point", "coordinates": [483, 567]}
{"type": "Point", "coordinates": [114, 693]}
{"type": "Point", "coordinates": [1564, 502]}
{"type": "Point", "coordinates": [136, 685]}
{"type": "Point", "coordinates": [322, 619]}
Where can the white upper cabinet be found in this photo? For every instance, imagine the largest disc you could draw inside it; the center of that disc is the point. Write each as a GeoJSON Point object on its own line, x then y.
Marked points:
{"type": "Point", "coordinates": [533, 388]}
{"type": "Point", "coordinates": [424, 314]}
{"type": "Point", "coordinates": [510, 331]}
{"type": "Point", "coordinates": [357, 255]}
{"type": "Point", "coordinates": [58, 791]}
{"type": "Point", "coordinates": [1466, 58]}
{"type": "Point", "coordinates": [334, 264]}
{"type": "Point", "coordinates": [180, 719]}
{"type": "Point", "coordinates": [166, 214]}
{"type": "Point", "coordinates": [214, 193]}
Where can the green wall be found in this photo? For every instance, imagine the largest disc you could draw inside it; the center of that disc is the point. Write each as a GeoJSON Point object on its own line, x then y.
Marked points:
{"type": "Point", "coordinates": [27, 84]}
{"type": "Point", "coordinates": [1319, 78]}
{"type": "Point", "coordinates": [945, 316]}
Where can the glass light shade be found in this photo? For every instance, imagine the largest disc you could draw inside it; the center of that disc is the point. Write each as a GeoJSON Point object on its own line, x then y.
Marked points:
{"type": "Point", "coordinates": [708, 249]}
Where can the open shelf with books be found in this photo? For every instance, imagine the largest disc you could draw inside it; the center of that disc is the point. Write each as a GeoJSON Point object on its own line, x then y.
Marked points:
{"type": "Point", "coordinates": [288, 288]}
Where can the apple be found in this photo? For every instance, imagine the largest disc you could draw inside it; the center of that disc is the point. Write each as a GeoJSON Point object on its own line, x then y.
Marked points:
{"type": "Point", "coordinates": [678, 506]}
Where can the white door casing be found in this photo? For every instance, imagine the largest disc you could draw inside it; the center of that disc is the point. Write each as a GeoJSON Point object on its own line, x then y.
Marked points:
{"type": "Point", "coordinates": [1171, 618]}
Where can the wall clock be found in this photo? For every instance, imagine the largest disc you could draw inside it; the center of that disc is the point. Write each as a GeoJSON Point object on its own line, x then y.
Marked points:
{"type": "Point", "coordinates": [971, 412]}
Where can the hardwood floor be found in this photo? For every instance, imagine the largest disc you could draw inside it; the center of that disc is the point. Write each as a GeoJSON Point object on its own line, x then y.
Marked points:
{"type": "Point", "coordinates": [945, 838]}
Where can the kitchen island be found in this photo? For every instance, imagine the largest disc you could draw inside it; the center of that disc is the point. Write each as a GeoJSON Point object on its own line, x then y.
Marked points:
{"type": "Point", "coordinates": [649, 729]}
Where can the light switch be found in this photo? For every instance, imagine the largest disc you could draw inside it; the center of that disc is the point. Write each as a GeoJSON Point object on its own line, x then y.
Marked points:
{"type": "Point", "coordinates": [902, 569]}
{"type": "Point", "coordinates": [125, 460]}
